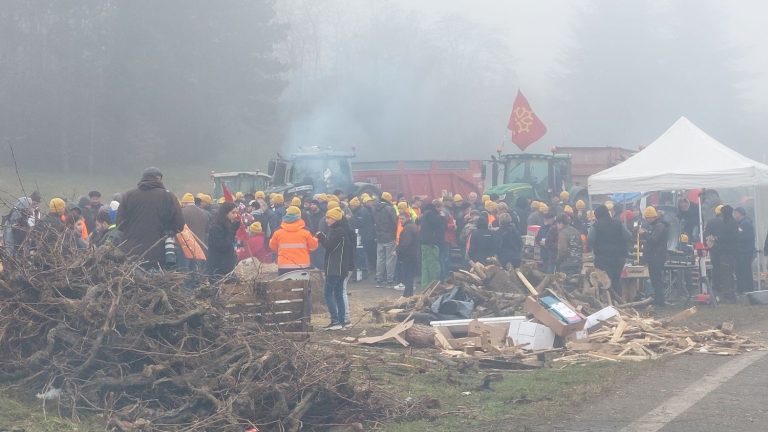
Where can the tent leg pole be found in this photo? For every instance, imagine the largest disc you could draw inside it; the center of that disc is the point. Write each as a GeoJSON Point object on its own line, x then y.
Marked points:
{"type": "Point", "coordinates": [756, 224]}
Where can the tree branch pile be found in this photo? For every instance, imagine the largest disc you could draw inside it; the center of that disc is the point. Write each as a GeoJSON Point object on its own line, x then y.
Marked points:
{"type": "Point", "coordinates": [140, 351]}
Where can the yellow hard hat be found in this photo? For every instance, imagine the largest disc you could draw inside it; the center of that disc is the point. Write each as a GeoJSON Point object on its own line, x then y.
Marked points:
{"type": "Point", "coordinates": [278, 199]}
{"type": "Point", "coordinates": [683, 238]}
{"type": "Point", "coordinates": [386, 196]}
{"type": "Point", "coordinates": [543, 208]}
{"type": "Point", "coordinates": [321, 197]}
{"type": "Point", "coordinates": [57, 205]}
{"type": "Point", "coordinates": [334, 213]}
{"type": "Point", "coordinates": [486, 198]}
{"type": "Point", "coordinates": [490, 206]}
{"type": "Point", "coordinates": [458, 198]}
{"type": "Point", "coordinates": [367, 198]}
{"type": "Point", "coordinates": [187, 198]}
{"type": "Point", "coordinates": [332, 197]}
{"type": "Point", "coordinates": [564, 195]}
{"type": "Point", "coordinates": [204, 198]}
{"type": "Point", "coordinates": [354, 203]}
{"type": "Point", "coordinates": [260, 195]}
{"type": "Point", "coordinates": [580, 205]}
{"type": "Point", "coordinates": [402, 206]}
{"type": "Point", "coordinates": [333, 204]}
{"type": "Point", "coordinates": [222, 200]}
{"type": "Point", "coordinates": [650, 212]}
{"type": "Point", "coordinates": [238, 195]}
{"type": "Point", "coordinates": [296, 201]}
{"type": "Point", "coordinates": [568, 210]}
{"type": "Point", "coordinates": [255, 227]}
{"type": "Point", "coordinates": [609, 205]}
{"type": "Point", "coordinates": [718, 209]}
{"type": "Point", "coordinates": [293, 210]}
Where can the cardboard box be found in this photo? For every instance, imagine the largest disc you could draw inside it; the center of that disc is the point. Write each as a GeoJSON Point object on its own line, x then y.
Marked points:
{"type": "Point", "coordinates": [602, 315]}
{"type": "Point", "coordinates": [549, 319]}
{"type": "Point", "coordinates": [531, 336]}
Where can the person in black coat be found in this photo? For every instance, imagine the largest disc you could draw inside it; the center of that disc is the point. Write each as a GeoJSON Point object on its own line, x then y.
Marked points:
{"type": "Point", "coordinates": [511, 249]}
{"type": "Point", "coordinates": [655, 236]}
{"type": "Point", "coordinates": [339, 243]}
{"type": "Point", "coordinates": [610, 241]}
{"type": "Point", "coordinates": [221, 241]}
{"type": "Point", "coordinates": [723, 237]}
{"type": "Point", "coordinates": [408, 253]}
{"type": "Point", "coordinates": [483, 243]}
{"type": "Point", "coordinates": [745, 251]}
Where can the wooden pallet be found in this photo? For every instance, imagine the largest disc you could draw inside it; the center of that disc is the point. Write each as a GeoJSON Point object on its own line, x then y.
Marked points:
{"type": "Point", "coordinates": [283, 305]}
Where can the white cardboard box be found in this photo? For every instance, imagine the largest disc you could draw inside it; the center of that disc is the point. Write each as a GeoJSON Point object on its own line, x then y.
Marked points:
{"type": "Point", "coordinates": [536, 336]}
{"type": "Point", "coordinates": [602, 315]}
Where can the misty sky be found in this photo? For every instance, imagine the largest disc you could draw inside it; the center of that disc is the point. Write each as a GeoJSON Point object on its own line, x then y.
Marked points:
{"type": "Point", "coordinates": [537, 36]}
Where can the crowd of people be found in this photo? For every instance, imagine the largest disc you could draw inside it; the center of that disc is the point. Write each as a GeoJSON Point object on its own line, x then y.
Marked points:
{"type": "Point", "coordinates": [398, 242]}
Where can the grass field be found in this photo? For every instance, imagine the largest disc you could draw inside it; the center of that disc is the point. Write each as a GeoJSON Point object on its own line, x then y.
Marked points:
{"type": "Point", "coordinates": [72, 186]}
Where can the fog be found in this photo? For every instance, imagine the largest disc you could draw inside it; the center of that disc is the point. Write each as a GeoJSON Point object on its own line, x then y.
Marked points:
{"type": "Point", "coordinates": [436, 79]}
{"type": "Point", "coordinates": [93, 86]}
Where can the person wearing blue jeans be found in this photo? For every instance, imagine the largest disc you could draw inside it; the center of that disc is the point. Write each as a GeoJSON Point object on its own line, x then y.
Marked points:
{"type": "Point", "coordinates": [340, 244]}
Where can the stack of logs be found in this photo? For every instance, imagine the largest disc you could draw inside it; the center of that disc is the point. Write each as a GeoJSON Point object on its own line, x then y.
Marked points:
{"type": "Point", "coordinates": [93, 331]}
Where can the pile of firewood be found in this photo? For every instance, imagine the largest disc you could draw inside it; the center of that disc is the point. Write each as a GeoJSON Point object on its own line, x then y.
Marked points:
{"type": "Point", "coordinates": [95, 334]}
{"type": "Point", "coordinates": [631, 337]}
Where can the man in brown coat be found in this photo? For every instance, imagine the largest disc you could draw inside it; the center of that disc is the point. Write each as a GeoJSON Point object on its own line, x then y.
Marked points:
{"type": "Point", "coordinates": [146, 216]}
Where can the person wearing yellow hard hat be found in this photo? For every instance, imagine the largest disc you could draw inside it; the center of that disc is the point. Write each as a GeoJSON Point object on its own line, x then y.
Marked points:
{"type": "Point", "coordinates": [491, 208]}
{"type": "Point", "coordinates": [565, 197]}
{"type": "Point", "coordinates": [296, 201]}
{"type": "Point", "coordinates": [54, 220]}
{"type": "Point", "coordinates": [535, 217]}
{"type": "Point", "coordinates": [260, 195]}
{"type": "Point", "coordinates": [339, 243]}
{"type": "Point", "coordinates": [654, 237]}
{"type": "Point", "coordinates": [239, 196]}
{"type": "Point", "coordinates": [198, 220]}
{"type": "Point", "coordinates": [292, 242]}
{"type": "Point", "coordinates": [386, 222]}
{"type": "Point", "coordinates": [458, 199]}
{"type": "Point", "coordinates": [255, 245]}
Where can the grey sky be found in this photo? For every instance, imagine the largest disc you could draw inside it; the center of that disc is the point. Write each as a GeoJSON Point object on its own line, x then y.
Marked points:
{"type": "Point", "coordinates": [537, 34]}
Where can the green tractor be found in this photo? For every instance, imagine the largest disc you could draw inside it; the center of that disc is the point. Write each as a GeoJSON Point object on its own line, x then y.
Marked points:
{"type": "Point", "coordinates": [532, 176]}
{"type": "Point", "coordinates": [316, 170]}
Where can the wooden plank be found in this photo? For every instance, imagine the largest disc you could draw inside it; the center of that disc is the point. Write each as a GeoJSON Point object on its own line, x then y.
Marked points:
{"type": "Point", "coordinates": [442, 336]}
{"type": "Point", "coordinates": [619, 331]}
{"type": "Point", "coordinates": [526, 283]}
{"type": "Point", "coordinates": [394, 331]}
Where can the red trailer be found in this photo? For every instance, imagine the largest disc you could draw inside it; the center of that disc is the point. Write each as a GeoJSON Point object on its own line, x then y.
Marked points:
{"type": "Point", "coordinates": [586, 161]}
{"type": "Point", "coordinates": [422, 178]}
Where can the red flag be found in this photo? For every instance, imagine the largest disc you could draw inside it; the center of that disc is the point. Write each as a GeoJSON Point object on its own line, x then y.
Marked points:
{"type": "Point", "coordinates": [526, 127]}
{"type": "Point", "coordinates": [227, 194]}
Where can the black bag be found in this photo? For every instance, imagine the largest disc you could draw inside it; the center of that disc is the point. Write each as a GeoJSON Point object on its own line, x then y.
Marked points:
{"type": "Point", "coordinates": [454, 305]}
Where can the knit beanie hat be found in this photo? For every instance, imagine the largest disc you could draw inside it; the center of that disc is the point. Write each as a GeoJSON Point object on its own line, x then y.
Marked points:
{"type": "Point", "coordinates": [335, 214]}
{"type": "Point", "coordinates": [292, 214]}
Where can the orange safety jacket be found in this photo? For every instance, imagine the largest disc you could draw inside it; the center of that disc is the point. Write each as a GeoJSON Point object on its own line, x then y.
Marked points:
{"type": "Point", "coordinates": [293, 243]}
{"type": "Point", "coordinates": [189, 245]}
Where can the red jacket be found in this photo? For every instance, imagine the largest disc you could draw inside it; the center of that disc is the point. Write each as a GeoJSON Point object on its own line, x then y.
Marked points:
{"type": "Point", "coordinates": [254, 246]}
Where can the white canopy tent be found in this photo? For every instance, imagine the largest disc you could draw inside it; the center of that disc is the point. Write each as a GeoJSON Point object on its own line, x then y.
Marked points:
{"type": "Point", "coordinates": [685, 157]}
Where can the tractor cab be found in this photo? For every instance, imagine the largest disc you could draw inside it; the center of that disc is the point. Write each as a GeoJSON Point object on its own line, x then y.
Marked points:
{"type": "Point", "coordinates": [246, 182]}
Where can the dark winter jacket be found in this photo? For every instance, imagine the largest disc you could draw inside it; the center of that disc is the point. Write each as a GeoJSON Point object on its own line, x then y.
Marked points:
{"type": "Point", "coordinates": [433, 226]}
{"type": "Point", "coordinates": [726, 237]}
{"type": "Point", "coordinates": [362, 221]}
{"type": "Point", "coordinates": [111, 236]}
{"type": "Point", "coordinates": [656, 237]}
{"type": "Point", "coordinates": [221, 248]}
{"type": "Point", "coordinates": [483, 244]}
{"type": "Point", "coordinates": [145, 216]}
{"type": "Point", "coordinates": [339, 245]}
{"type": "Point", "coordinates": [198, 220]}
{"type": "Point", "coordinates": [408, 247]}
{"type": "Point", "coordinates": [511, 248]}
{"type": "Point", "coordinates": [276, 217]}
{"type": "Point", "coordinates": [746, 238]}
{"type": "Point", "coordinates": [607, 238]}
{"type": "Point", "coordinates": [385, 220]}
{"type": "Point", "coordinates": [569, 248]}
